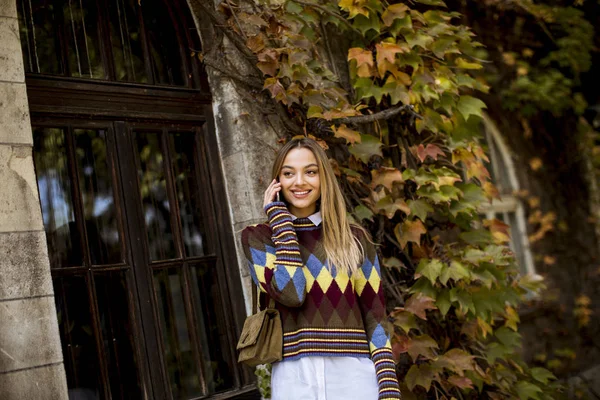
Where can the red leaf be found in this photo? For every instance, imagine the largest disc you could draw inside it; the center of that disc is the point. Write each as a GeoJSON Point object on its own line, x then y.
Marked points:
{"type": "Point", "coordinates": [418, 304]}
{"type": "Point", "coordinates": [421, 346]}
{"type": "Point", "coordinates": [461, 381]}
{"type": "Point", "coordinates": [431, 150]}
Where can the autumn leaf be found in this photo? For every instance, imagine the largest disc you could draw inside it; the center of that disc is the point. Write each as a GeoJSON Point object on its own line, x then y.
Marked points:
{"type": "Point", "coordinates": [394, 12]}
{"type": "Point", "coordinates": [386, 176]}
{"type": "Point", "coordinates": [431, 150]}
{"type": "Point", "coordinates": [361, 56]}
{"type": "Point", "coordinates": [418, 304]}
{"type": "Point", "coordinates": [346, 133]}
{"type": "Point", "coordinates": [512, 318]}
{"type": "Point", "coordinates": [387, 51]}
{"type": "Point", "coordinates": [276, 88]}
{"type": "Point", "coordinates": [256, 43]}
{"type": "Point", "coordinates": [499, 229]}
{"type": "Point", "coordinates": [404, 319]}
{"type": "Point", "coordinates": [422, 345]}
{"type": "Point", "coordinates": [461, 382]}
{"type": "Point", "coordinates": [367, 147]}
{"type": "Point", "coordinates": [535, 163]}
{"type": "Point", "coordinates": [389, 206]}
{"type": "Point", "coordinates": [409, 231]}
{"type": "Point", "coordinates": [420, 375]}
{"type": "Point", "coordinates": [456, 360]}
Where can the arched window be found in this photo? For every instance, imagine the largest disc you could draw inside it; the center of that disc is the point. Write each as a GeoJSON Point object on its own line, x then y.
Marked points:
{"type": "Point", "coordinates": [125, 160]}
{"type": "Point", "coordinates": [509, 207]}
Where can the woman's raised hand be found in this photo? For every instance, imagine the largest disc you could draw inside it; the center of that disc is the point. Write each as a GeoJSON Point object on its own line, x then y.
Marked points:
{"type": "Point", "coordinates": [271, 192]}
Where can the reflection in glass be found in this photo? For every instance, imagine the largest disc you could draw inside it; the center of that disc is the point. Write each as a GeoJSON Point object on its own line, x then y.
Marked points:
{"type": "Point", "coordinates": [188, 193]}
{"type": "Point", "coordinates": [77, 338]}
{"type": "Point", "coordinates": [212, 332]}
{"type": "Point", "coordinates": [83, 39]}
{"type": "Point", "coordinates": [117, 334]}
{"type": "Point", "coordinates": [179, 357]}
{"type": "Point", "coordinates": [126, 41]}
{"type": "Point", "coordinates": [95, 184]}
{"type": "Point", "coordinates": [39, 42]}
{"type": "Point", "coordinates": [165, 55]}
{"type": "Point", "coordinates": [54, 186]}
{"type": "Point", "coordinates": [155, 200]}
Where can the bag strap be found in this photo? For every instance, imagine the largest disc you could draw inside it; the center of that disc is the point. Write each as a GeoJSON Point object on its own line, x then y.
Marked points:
{"type": "Point", "coordinates": [256, 296]}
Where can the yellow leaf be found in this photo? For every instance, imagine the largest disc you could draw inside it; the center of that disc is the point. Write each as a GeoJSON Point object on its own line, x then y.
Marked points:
{"type": "Point", "coordinates": [344, 132]}
{"type": "Point", "coordinates": [385, 176]}
{"type": "Point", "coordinates": [535, 163]}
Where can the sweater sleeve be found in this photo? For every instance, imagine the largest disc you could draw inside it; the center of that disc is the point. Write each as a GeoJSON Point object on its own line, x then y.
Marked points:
{"type": "Point", "coordinates": [372, 305]}
{"type": "Point", "coordinates": [274, 258]}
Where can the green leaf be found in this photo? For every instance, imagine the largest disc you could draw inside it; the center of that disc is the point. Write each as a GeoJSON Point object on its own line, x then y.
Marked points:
{"type": "Point", "coordinates": [420, 375]}
{"type": "Point", "coordinates": [468, 106]}
{"type": "Point", "coordinates": [419, 208]}
{"type": "Point", "coordinates": [542, 375]}
{"type": "Point", "coordinates": [368, 146]}
{"type": "Point", "coordinates": [405, 320]}
{"type": "Point", "coordinates": [508, 337]}
{"type": "Point", "coordinates": [293, 8]}
{"type": "Point", "coordinates": [365, 24]}
{"type": "Point", "coordinates": [456, 271]}
{"type": "Point", "coordinates": [363, 212]}
{"type": "Point", "coordinates": [527, 390]}
{"type": "Point", "coordinates": [438, 3]}
{"type": "Point", "coordinates": [478, 236]}
{"type": "Point", "coordinates": [430, 269]}
{"type": "Point", "coordinates": [443, 302]}
{"type": "Point", "coordinates": [418, 39]}
{"type": "Point", "coordinates": [461, 63]}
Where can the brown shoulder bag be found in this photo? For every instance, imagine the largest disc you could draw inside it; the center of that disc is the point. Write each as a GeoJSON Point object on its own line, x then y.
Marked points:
{"type": "Point", "coordinates": [261, 341]}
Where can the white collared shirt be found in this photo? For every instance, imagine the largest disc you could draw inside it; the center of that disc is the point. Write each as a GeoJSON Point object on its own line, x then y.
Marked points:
{"type": "Point", "coordinates": [314, 218]}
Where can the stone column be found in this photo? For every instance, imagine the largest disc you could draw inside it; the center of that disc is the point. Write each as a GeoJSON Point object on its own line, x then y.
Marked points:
{"type": "Point", "coordinates": [31, 364]}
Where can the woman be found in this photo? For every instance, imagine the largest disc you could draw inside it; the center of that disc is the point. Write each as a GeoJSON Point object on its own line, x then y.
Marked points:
{"type": "Point", "coordinates": [325, 278]}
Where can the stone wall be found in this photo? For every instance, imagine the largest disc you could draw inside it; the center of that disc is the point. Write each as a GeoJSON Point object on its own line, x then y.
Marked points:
{"type": "Point", "coordinates": [31, 364]}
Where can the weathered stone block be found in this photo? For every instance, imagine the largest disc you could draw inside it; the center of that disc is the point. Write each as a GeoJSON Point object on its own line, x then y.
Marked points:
{"type": "Point", "coordinates": [19, 203]}
{"type": "Point", "coordinates": [43, 383]}
{"type": "Point", "coordinates": [8, 8]}
{"type": "Point", "coordinates": [238, 186]}
{"type": "Point", "coordinates": [28, 334]}
{"type": "Point", "coordinates": [11, 59]}
{"type": "Point", "coordinates": [24, 269]}
{"type": "Point", "coordinates": [15, 126]}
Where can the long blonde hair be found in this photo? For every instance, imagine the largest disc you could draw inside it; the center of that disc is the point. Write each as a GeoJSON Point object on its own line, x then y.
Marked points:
{"type": "Point", "coordinates": [342, 248]}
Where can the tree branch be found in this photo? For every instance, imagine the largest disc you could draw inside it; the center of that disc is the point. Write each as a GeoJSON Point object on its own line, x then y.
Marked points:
{"type": "Point", "coordinates": [219, 22]}
{"type": "Point", "coordinates": [247, 81]}
{"type": "Point", "coordinates": [382, 115]}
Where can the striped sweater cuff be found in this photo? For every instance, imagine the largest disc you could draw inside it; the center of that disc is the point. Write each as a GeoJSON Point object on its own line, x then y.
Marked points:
{"type": "Point", "coordinates": [385, 368]}
{"type": "Point", "coordinates": [284, 236]}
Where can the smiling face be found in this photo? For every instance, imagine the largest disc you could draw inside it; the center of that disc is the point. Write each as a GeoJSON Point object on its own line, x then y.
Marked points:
{"type": "Point", "coordinates": [300, 182]}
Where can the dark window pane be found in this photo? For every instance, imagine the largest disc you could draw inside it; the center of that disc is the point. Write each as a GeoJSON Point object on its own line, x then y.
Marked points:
{"type": "Point", "coordinates": [117, 333]}
{"type": "Point", "coordinates": [39, 39]}
{"type": "Point", "coordinates": [54, 186]}
{"type": "Point", "coordinates": [178, 351]}
{"type": "Point", "coordinates": [212, 328]}
{"type": "Point", "coordinates": [77, 338]}
{"type": "Point", "coordinates": [188, 193]}
{"type": "Point", "coordinates": [163, 43]}
{"type": "Point", "coordinates": [155, 201]}
{"type": "Point", "coordinates": [126, 41]}
{"type": "Point", "coordinates": [95, 184]}
{"type": "Point", "coordinates": [83, 39]}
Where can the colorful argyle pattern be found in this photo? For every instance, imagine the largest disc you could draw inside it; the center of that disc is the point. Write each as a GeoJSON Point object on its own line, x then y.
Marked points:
{"type": "Point", "coordinates": [324, 313]}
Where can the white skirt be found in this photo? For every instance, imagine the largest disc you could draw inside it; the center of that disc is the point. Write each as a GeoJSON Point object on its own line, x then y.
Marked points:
{"type": "Point", "coordinates": [324, 378]}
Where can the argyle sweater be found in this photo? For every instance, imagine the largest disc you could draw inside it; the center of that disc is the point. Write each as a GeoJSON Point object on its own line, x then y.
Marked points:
{"type": "Point", "coordinates": [323, 312]}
